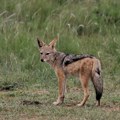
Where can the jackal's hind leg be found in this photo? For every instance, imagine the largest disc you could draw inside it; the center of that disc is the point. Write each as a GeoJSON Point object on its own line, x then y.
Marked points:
{"type": "Point", "coordinates": [98, 103]}
{"type": "Point", "coordinates": [84, 82]}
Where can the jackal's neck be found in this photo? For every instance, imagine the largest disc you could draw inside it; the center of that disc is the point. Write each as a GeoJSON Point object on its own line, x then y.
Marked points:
{"type": "Point", "coordinates": [58, 58]}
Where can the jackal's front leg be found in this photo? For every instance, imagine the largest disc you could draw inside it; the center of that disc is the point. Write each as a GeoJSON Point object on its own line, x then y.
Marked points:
{"type": "Point", "coordinates": [61, 85]}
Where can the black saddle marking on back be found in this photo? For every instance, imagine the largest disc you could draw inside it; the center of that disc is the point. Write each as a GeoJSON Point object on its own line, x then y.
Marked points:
{"type": "Point", "coordinates": [68, 59]}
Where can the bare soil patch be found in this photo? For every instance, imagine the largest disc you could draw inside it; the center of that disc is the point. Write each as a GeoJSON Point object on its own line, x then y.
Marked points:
{"type": "Point", "coordinates": [8, 87]}
{"type": "Point", "coordinates": [27, 102]}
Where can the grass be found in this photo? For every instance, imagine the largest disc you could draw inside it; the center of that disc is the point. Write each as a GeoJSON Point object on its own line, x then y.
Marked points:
{"type": "Point", "coordinates": [27, 86]}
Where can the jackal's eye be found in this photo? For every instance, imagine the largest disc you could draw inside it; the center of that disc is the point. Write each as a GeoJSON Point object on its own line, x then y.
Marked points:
{"type": "Point", "coordinates": [47, 53]}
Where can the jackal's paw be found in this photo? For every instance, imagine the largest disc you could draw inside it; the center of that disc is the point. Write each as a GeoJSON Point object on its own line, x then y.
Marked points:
{"type": "Point", "coordinates": [80, 105]}
{"type": "Point", "coordinates": [57, 103]}
{"type": "Point", "coordinates": [98, 103]}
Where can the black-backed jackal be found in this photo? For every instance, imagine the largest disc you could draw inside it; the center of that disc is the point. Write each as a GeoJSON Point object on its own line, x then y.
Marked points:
{"type": "Point", "coordinates": [84, 66]}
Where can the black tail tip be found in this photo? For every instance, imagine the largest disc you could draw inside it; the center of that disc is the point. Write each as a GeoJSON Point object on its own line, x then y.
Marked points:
{"type": "Point", "coordinates": [98, 96]}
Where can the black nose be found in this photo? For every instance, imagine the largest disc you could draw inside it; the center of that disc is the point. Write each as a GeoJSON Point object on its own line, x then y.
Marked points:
{"type": "Point", "coordinates": [42, 60]}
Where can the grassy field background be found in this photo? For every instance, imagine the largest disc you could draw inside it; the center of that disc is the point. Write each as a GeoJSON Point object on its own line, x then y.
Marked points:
{"type": "Point", "coordinates": [27, 86]}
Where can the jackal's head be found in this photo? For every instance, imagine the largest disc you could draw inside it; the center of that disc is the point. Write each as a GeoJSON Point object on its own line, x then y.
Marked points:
{"type": "Point", "coordinates": [47, 52]}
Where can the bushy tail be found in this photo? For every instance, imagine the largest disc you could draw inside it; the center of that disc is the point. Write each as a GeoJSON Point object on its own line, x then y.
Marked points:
{"type": "Point", "coordinates": [97, 79]}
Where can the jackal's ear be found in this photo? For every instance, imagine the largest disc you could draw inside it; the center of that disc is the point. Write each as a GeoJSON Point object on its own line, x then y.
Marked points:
{"type": "Point", "coordinates": [52, 44]}
{"type": "Point", "coordinates": [40, 42]}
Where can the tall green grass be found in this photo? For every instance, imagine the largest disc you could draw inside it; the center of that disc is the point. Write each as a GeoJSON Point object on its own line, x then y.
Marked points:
{"type": "Point", "coordinates": [90, 27]}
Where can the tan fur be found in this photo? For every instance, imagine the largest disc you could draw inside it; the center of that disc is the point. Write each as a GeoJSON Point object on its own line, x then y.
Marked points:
{"type": "Point", "coordinates": [85, 69]}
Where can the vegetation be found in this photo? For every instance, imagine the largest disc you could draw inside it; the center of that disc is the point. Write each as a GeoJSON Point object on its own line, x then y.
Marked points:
{"type": "Point", "coordinates": [27, 86]}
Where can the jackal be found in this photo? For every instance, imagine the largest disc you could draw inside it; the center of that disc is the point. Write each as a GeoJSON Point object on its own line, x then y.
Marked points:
{"type": "Point", "coordinates": [83, 66]}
